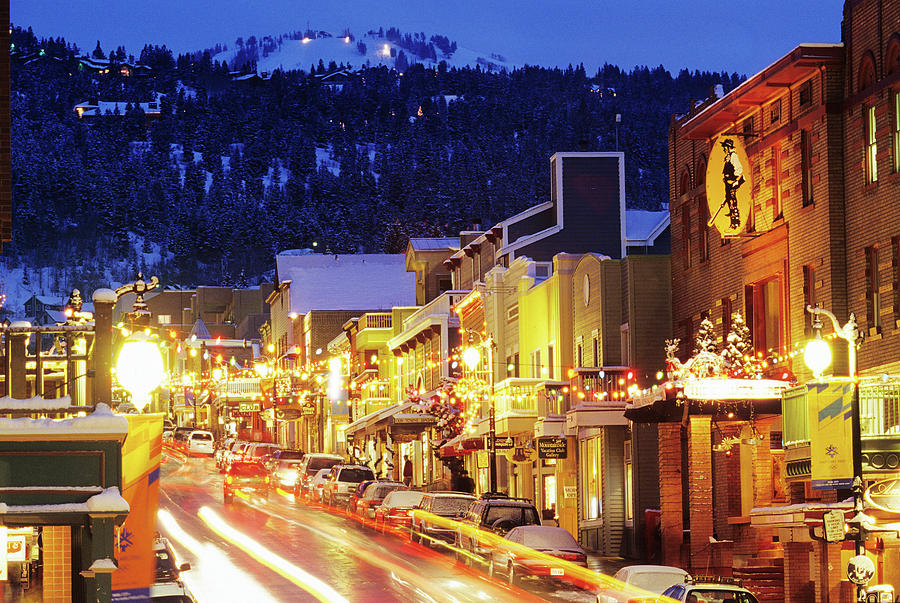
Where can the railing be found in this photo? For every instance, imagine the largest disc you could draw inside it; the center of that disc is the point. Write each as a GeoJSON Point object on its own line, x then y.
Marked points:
{"type": "Point", "coordinates": [441, 305]}
{"type": "Point", "coordinates": [239, 386]}
{"type": "Point", "coordinates": [600, 383]}
{"type": "Point", "coordinates": [518, 395]}
{"type": "Point", "coordinates": [879, 409]}
{"type": "Point", "coordinates": [375, 320]}
{"type": "Point", "coordinates": [366, 406]}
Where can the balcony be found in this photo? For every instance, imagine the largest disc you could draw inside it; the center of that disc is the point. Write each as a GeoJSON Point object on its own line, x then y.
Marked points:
{"type": "Point", "coordinates": [600, 383]}
{"type": "Point", "coordinates": [440, 306]}
{"type": "Point", "coordinates": [375, 320]}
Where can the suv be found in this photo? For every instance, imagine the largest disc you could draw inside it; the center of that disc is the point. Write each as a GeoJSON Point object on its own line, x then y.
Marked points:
{"type": "Point", "coordinates": [447, 505]}
{"type": "Point", "coordinates": [494, 514]}
{"type": "Point", "coordinates": [309, 466]}
{"type": "Point", "coordinates": [342, 481]}
{"type": "Point", "coordinates": [710, 588]}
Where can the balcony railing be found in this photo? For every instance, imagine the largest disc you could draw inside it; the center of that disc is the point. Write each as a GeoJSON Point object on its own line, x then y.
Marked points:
{"type": "Point", "coordinates": [375, 320]}
{"type": "Point", "coordinates": [600, 383]}
{"type": "Point", "coordinates": [517, 395]}
{"type": "Point", "coordinates": [441, 305]}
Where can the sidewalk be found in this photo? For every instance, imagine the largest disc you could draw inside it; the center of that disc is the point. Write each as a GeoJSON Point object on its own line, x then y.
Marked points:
{"type": "Point", "coordinates": [607, 565]}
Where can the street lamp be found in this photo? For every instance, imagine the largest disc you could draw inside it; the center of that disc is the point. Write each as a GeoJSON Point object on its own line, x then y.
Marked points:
{"type": "Point", "coordinates": [817, 357]}
{"type": "Point", "coordinates": [139, 366]}
{"type": "Point", "coordinates": [472, 358]}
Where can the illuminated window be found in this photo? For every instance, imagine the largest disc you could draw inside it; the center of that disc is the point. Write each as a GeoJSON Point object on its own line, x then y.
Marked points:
{"type": "Point", "coordinates": [629, 486]}
{"type": "Point", "coordinates": [592, 503]}
{"type": "Point", "coordinates": [871, 145]}
{"type": "Point", "coordinates": [873, 296]}
{"type": "Point", "coordinates": [164, 319]}
{"type": "Point", "coordinates": [764, 307]}
{"type": "Point", "coordinates": [806, 167]}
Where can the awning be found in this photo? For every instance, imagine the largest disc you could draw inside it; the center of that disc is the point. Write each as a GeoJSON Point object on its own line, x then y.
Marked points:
{"type": "Point", "coordinates": [595, 414]}
{"type": "Point", "coordinates": [397, 418]}
{"type": "Point", "coordinates": [462, 444]}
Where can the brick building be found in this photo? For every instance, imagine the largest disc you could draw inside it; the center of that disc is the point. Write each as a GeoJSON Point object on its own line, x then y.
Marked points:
{"type": "Point", "coordinates": [809, 217]}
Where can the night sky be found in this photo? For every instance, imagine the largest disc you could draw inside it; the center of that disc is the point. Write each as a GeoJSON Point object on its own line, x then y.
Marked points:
{"type": "Point", "coordinates": [734, 36]}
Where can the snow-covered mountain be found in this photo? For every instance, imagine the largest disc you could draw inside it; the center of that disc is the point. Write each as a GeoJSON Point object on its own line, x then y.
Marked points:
{"type": "Point", "coordinates": [371, 49]}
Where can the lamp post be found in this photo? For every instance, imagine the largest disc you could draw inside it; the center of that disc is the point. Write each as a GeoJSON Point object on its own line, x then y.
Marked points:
{"type": "Point", "coordinates": [472, 358]}
{"type": "Point", "coordinates": [139, 366]}
{"type": "Point", "coordinates": [817, 357]}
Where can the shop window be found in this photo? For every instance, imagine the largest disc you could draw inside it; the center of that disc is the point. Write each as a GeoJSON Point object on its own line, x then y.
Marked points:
{"type": "Point", "coordinates": [591, 502]}
{"type": "Point", "coordinates": [873, 296]}
{"type": "Point", "coordinates": [806, 167]}
{"type": "Point", "coordinates": [871, 147]}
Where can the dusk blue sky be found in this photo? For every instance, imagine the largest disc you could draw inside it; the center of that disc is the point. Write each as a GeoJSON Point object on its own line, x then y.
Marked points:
{"type": "Point", "coordinates": [699, 34]}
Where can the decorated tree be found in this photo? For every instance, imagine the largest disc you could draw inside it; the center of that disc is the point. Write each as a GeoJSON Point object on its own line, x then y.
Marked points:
{"type": "Point", "coordinates": [737, 354]}
{"type": "Point", "coordinates": [706, 338]}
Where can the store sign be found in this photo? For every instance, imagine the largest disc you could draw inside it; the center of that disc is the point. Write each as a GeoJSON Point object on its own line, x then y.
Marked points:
{"type": "Point", "coordinates": [551, 448]}
{"type": "Point", "coordinates": [570, 491]}
{"type": "Point", "coordinates": [248, 407]}
{"type": "Point", "coordinates": [15, 548]}
{"type": "Point", "coordinates": [884, 495]}
{"type": "Point", "coordinates": [734, 389]}
{"type": "Point", "coordinates": [308, 410]}
{"type": "Point", "coordinates": [500, 444]}
{"type": "Point", "coordinates": [520, 455]}
{"type": "Point", "coordinates": [287, 414]}
{"type": "Point", "coordinates": [830, 435]}
{"type": "Point", "coordinates": [728, 185]}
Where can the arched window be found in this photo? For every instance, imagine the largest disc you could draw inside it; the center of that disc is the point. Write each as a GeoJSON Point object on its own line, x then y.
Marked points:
{"type": "Point", "coordinates": [866, 71]}
{"type": "Point", "coordinates": [701, 169]}
{"type": "Point", "coordinates": [685, 182]}
{"type": "Point", "coordinates": [892, 61]}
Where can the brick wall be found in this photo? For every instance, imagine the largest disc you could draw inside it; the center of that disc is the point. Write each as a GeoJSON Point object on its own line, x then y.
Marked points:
{"type": "Point", "coordinates": [700, 491]}
{"type": "Point", "coordinates": [671, 520]}
{"type": "Point", "coordinates": [57, 580]}
{"type": "Point", "coordinates": [798, 587]}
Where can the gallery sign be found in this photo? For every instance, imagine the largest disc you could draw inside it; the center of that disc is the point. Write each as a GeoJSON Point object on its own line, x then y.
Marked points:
{"type": "Point", "coordinates": [728, 185]}
{"type": "Point", "coordinates": [884, 495]}
{"type": "Point", "coordinates": [551, 448]}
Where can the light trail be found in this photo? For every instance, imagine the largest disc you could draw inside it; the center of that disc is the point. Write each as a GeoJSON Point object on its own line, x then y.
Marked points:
{"type": "Point", "coordinates": [278, 564]}
{"type": "Point", "coordinates": [212, 574]}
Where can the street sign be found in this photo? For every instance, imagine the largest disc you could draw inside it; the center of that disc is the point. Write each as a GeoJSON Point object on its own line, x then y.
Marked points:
{"type": "Point", "coordinates": [552, 448]}
{"type": "Point", "coordinates": [860, 570]}
{"type": "Point", "coordinates": [308, 409]}
{"type": "Point", "coordinates": [834, 525]}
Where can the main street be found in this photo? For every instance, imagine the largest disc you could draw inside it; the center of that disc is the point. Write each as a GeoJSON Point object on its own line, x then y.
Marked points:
{"type": "Point", "coordinates": [280, 550]}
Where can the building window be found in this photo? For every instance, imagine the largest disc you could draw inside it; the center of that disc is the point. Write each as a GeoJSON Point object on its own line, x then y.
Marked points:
{"type": "Point", "coordinates": [703, 226]}
{"type": "Point", "coordinates": [592, 501]}
{"type": "Point", "coordinates": [806, 167]}
{"type": "Point", "coordinates": [775, 112]}
{"type": "Point", "coordinates": [626, 350]}
{"type": "Point", "coordinates": [892, 62]}
{"type": "Point", "coordinates": [726, 317]}
{"type": "Point", "coordinates": [871, 145]}
{"type": "Point", "coordinates": [551, 374]}
{"type": "Point", "coordinates": [536, 367]}
{"type": "Point", "coordinates": [512, 366]}
{"type": "Point", "coordinates": [748, 126]}
{"type": "Point", "coordinates": [866, 71]}
{"type": "Point", "coordinates": [164, 319]}
{"type": "Point", "coordinates": [596, 344]}
{"type": "Point", "coordinates": [895, 132]}
{"type": "Point", "coordinates": [629, 485]}
{"type": "Point", "coordinates": [444, 284]}
{"type": "Point", "coordinates": [895, 270]}
{"type": "Point", "coordinates": [686, 234]}
{"type": "Point", "coordinates": [685, 182]}
{"type": "Point", "coordinates": [765, 305]}
{"type": "Point", "coordinates": [805, 95]}
{"type": "Point", "coordinates": [873, 296]}
{"type": "Point", "coordinates": [579, 355]}
{"type": "Point", "coordinates": [809, 298]}
{"type": "Point", "coordinates": [776, 178]}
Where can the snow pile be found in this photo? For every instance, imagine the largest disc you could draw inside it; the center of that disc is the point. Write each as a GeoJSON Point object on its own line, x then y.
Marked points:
{"type": "Point", "coordinates": [35, 404]}
{"type": "Point", "coordinates": [101, 422]}
{"type": "Point", "coordinates": [108, 501]}
{"type": "Point", "coordinates": [103, 565]}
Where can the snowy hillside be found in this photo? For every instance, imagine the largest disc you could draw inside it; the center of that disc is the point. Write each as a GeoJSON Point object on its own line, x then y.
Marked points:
{"type": "Point", "coordinates": [289, 54]}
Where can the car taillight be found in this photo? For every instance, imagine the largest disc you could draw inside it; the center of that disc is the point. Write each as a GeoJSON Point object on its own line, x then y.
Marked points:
{"type": "Point", "coordinates": [572, 557]}
{"type": "Point", "coordinates": [228, 479]}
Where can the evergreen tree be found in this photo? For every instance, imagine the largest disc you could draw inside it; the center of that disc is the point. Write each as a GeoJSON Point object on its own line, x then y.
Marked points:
{"type": "Point", "coordinates": [738, 347]}
{"type": "Point", "coordinates": [706, 337]}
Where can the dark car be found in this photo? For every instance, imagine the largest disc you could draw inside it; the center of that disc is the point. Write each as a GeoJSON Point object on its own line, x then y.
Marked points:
{"type": "Point", "coordinates": [248, 477]}
{"type": "Point", "coordinates": [168, 569]}
{"type": "Point", "coordinates": [373, 495]}
{"type": "Point", "coordinates": [488, 517]}
{"type": "Point", "coordinates": [357, 494]}
{"type": "Point", "coordinates": [428, 528]}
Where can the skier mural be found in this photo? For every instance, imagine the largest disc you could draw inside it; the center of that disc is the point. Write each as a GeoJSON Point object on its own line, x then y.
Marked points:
{"type": "Point", "coordinates": [728, 185]}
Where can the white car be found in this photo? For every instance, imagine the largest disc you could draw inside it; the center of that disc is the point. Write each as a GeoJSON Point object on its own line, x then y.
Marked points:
{"type": "Point", "coordinates": [200, 442]}
{"type": "Point", "coordinates": [641, 580]}
{"type": "Point", "coordinates": [316, 484]}
{"type": "Point", "coordinates": [170, 592]}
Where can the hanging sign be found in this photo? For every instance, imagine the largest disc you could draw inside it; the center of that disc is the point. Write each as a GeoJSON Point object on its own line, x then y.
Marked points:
{"type": "Point", "coordinates": [830, 443]}
{"type": "Point", "coordinates": [552, 448]}
{"type": "Point", "coordinates": [520, 455]}
{"type": "Point", "coordinates": [308, 410]}
{"type": "Point", "coordinates": [728, 186]}
{"type": "Point", "coordinates": [501, 444]}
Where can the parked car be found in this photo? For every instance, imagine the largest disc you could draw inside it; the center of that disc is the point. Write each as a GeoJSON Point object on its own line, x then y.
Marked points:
{"type": "Point", "coordinates": [396, 509]}
{"type": "Point", "coordinates": [310, 465]}
{"type": "Point", "coordinates": [168, 568]}
{"type": "Point", "coordinates": [494, 514]}
{"type": "Point", "coordinates": [170, 592]}
{"type": "Point", "coordinates": [641, 581]}
{"type": "Point", "coordinates": [710, 589]}
{"type": "Point", "coordinates": [357, 494]}
{"type": "Point", "coordinates": [316, 483]}
{"type": "Point", "coordinates": [448, 505]}
{"type": "Point", "coordinates": [282, 454]}
{"type": "Point", "coordinates": [181, 434]}
{"type": "Point", "coordinates": [200, 442]}
{"type": "Point", "coordinates": [373, 495]}
{"type": "Point", "coordinates": [248, 477]}
{"type": "Point", "coordinates": [236, 453]}
{"type": "Point", "coordinates": [284, 473]}
{"type": "Point", "coordinates": [257, 451]}
{"type": "Point", "coordinates": [223, 450]}
{"type": "Point", "coordinates": [514, 562]}
{"type": "Point", "coordinates": [342, 480]}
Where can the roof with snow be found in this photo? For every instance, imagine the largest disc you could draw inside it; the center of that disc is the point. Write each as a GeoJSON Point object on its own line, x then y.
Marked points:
{"type": "Point", "coordinates": [423, 244]}
{"type": "Point", "coordinates": [642, 227]}
{"type": "Point", "coordinates": [93, 109]}
{"type": "Point", "coordinates": [346, 282]}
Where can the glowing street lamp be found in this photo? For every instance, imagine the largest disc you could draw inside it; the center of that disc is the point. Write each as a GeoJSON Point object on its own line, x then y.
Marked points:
{"type": "Point", "coordinates": [139, 366]}
{"type": "Point", "coordinates": [472, 358]}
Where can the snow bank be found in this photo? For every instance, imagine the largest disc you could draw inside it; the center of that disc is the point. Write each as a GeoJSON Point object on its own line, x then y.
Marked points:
{"type": "Point", "coordinates": [103, 565]}
{"type": "Point", "coordinates": [108, 501]}
{"type": "Point", "coordinates": [35, 404]}
{"type": "Point", "coordinates": [101, 422]}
